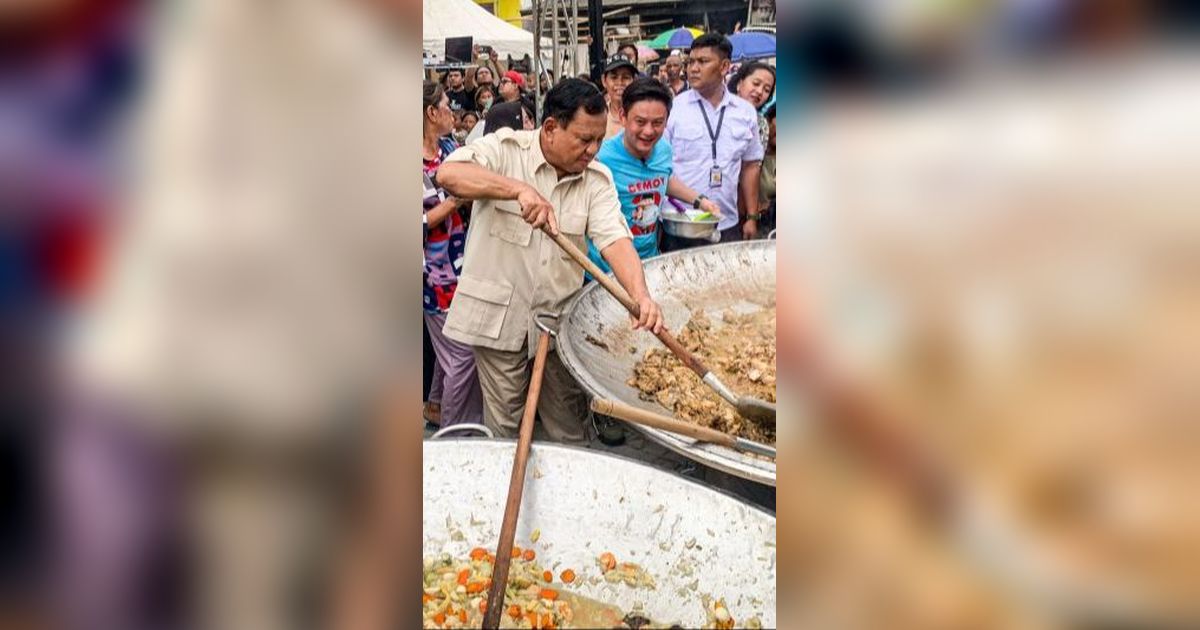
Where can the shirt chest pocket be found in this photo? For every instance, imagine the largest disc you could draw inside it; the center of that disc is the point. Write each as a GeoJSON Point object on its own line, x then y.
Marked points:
{"type": "Point", "coordinates": [508, 224]}
{"type": "Point", "coordinates": [573, 225]}
{"type": "Point", "coordinates": [741, 136]}
{"type": "Point", "coordinates": [691, 144]}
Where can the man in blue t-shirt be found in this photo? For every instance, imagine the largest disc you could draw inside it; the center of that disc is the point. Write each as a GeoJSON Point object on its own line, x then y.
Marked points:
{"type": "Point", "coordinates": [641, 167]}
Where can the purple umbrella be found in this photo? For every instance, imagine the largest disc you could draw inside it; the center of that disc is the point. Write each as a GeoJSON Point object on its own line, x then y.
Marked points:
{"type": "Point", "coordinates": [752, 45]}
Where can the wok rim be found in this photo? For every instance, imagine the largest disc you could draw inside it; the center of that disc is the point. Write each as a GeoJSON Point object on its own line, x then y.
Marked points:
{"type": "Point", "coordinates": [571, 448]}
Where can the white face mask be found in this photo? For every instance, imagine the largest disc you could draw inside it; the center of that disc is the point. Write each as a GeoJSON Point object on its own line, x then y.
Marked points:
{"type": "Point", "coordinates": [486, 103]}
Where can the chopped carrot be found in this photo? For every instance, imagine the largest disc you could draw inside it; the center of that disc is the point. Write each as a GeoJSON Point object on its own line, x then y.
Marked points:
{"type": "Point", "coordinates": [547, 622]}
{"type": "Point", "coordinates": [491, 557]}
{"type": "Point", "coordinates": [487, 583]}
{"type": "Point", "coordinates": [514, 611]}
{"type": "Point", "coordinates": [474, 587]}
{"type": "Point", "coordinates": [439, 618]}
{"type": "Point", "coordinates": [479, 553]}
{"type": "Point", "coordinates": [547, 576]}
{"type": "Point", "coordinates": [608, 561]}
{"type": "Point", "coordinates": [532, 618]}
{"type": "Point", "coordinates": [462, 615]}
{"type": "Point", "coordinates": [483, 606]}
{"type": "Point", "coordinates": [425, 598]}
{"type": "Point", "coordinates": [548, 593]}
{"type": "Point", "coordinates": [516, 552]}
{"type": "Point", "coordinates": [463, 575]}
{"type": "Point", "coordinates": [568, 576]}
{"type": "Point", "coordinates": [529, 555]}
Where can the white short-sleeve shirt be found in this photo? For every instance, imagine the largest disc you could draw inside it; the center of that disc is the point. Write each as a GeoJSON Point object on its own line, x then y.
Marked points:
{"type": "Point", "coordinates": [737, 142]}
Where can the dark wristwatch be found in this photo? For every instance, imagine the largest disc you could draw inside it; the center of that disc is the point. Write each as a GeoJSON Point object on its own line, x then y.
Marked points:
{"type": "Point", "coordinates": [696, 203]}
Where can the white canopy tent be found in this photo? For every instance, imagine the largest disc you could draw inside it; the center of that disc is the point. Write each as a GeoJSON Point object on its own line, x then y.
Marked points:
{"type": "Point", "coordinates": [460, 18]}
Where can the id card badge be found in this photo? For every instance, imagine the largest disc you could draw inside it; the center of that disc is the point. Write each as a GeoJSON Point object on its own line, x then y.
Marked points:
{"type": "Point", "coordinates": [714, 176]}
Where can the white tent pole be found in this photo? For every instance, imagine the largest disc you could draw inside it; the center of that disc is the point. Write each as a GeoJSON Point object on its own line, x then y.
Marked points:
{"type": "Point", "coordinates": [537, 62]}
{"type": "Point", "coordinates": [556, 64]}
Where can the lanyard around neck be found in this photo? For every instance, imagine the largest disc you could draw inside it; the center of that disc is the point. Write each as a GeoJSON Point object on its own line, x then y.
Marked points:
{"type": "Point", "coordinates": [712, 135]}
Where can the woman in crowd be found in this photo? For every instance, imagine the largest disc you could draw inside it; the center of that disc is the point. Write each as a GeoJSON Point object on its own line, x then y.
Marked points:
{"type": "Point", "coordinates": [484, 98]}
{"type": "Point", "coordinates": [463, 125]}
{"type": "Point", "coordinates": [454, 396]}
{"type": "Point", "coordinates": [512, 85]}
{"type": "Point", "coordinates": [755, 82]}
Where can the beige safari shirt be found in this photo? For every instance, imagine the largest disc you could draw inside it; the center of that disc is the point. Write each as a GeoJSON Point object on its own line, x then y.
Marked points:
{"type": "Point", "coordinates": [511, 271]}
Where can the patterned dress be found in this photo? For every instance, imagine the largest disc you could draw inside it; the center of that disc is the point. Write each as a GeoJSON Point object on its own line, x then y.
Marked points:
{"type": "Point", "coordinates": [444, 242]}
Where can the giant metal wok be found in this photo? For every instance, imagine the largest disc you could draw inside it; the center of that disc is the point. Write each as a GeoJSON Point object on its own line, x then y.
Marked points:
{"type": "Point", "coordinates": [600, 349]}
{"type": "Point", "coordinates": [697, 542]}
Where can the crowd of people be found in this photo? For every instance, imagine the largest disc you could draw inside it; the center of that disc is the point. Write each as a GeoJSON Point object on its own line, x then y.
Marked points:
{"type": "Point", "coordinates": [608, 159]}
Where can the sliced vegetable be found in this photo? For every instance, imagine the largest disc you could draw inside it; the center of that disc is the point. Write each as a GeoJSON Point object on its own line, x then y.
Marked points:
{"type": "Point", "coordinates": [568, 576]}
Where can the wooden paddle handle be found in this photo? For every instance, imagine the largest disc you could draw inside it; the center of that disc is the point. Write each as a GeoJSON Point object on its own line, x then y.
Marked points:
{"type": "Point", "coordinates": [516, 486]}
{"type": "Point", "coordinates": [659, 421]}
{"type": "Point", "coordinates": [618, 292]}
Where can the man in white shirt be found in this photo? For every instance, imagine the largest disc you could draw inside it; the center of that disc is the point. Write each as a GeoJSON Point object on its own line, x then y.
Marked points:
{"type": "Point", "coordinates": [715, 138]}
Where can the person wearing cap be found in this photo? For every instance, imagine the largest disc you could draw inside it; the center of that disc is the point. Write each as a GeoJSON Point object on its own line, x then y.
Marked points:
{"type": "Point", "coordinates": [512, 84]}
{"type": "Point", "coordinates": [525, 184]}
{"type": "Point", "coordinates": [717, 148]}
{"type": "Point", "coordinates": [619, 72]}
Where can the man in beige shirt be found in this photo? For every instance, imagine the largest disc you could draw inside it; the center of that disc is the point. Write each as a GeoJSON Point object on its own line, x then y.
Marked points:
{"type": "Point", "coordinates": [525, 180]}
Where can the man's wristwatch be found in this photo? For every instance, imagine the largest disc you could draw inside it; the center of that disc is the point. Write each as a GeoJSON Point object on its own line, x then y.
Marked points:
{"type": "Point", "coordinates": [754, 216]}
{"type": "Point", "coordinates": [696, 203]}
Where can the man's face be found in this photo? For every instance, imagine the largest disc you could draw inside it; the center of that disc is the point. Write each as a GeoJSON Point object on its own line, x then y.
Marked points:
{"type": "Point", "coordinates": [645, 123]}
{"type": "Point", "coordinates": [615, 83]}
{"type": "Point", "coordinates": [674, 66]}
{"type": "Point", "coordinates": [572, 147]}
{"type": "Point", "coordinates": [483, 76]}
{"type": "Point", "coordinates": [509, 90]}
{"type": "Point", "coordinates": [706, 68]}
{"type": "Point", "coordinates": [454, 79]}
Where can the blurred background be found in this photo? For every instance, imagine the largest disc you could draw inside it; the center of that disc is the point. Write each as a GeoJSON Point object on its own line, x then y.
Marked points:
{"type": "Point", "coordinates": [203, 278]}
{"type": "Point", "coordinates": [994, 212]}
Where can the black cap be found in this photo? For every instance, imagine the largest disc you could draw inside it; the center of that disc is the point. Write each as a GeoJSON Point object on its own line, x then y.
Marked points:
{"type": "Point", "coordinates": [620, 61]}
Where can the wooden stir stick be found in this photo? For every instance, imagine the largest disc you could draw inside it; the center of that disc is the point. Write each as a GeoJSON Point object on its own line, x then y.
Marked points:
{"type": "Point", "coordinates": [516, 486]}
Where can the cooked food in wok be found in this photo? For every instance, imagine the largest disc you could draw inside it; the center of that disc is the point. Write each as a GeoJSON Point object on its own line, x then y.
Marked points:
{"type": "Point", "coordinates": [739, 348]}
{"type": "Point", "coordinates": [455, 595]}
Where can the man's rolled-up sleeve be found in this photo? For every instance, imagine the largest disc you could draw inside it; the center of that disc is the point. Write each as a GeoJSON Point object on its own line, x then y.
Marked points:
{"type": "Point", "coordinates": [486, 152]}
{"type": "Point", "coordinates": [606, 225]}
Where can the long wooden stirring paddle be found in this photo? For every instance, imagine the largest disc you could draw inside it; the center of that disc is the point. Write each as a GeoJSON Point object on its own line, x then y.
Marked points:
{"type": "Point", "coordinates": [629, 413]}
{"type": "Point", "coordinates": [516, 487]}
